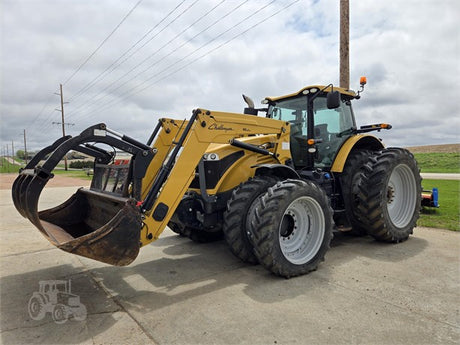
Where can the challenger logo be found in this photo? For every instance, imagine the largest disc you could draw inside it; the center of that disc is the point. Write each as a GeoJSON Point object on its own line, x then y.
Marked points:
{"type": "Point", "coordinates": [215, 127]}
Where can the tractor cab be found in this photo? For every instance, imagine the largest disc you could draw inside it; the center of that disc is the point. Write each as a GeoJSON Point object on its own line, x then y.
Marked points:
{"type": "Point", "coordinates": [54, 286]}
{"type": "Point", "coordinates": [321, 120]}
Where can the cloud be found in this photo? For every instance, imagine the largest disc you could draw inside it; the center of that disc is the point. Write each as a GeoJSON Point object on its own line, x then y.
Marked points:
{"type": "Point", "coordinates": [408, 50]}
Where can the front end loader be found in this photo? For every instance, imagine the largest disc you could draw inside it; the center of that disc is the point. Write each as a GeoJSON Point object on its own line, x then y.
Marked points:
{"type": "Point", "coordinates": [274, 186]}
{"type": "Point", "coordinates": [127, 207]}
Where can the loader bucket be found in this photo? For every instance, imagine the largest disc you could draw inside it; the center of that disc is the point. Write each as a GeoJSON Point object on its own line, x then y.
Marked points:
{"type": "Point", "coordinates": [102, 223]}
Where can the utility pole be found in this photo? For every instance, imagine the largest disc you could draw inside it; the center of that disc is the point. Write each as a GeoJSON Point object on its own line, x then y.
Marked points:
{"type": "Point", "coordinates": [25, 147]}
{"type": "Point", "coordinates": [7, 159]}
{"type": "Point", "coordinates": [12, 150]}
{"type": "Point", "coordinates": [62, 119]}
{"type": "Point", "coordinates": [344, 44]}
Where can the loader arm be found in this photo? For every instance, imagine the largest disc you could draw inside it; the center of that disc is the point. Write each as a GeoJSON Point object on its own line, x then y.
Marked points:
{"type": "Point", "coordinates": [183, 147]}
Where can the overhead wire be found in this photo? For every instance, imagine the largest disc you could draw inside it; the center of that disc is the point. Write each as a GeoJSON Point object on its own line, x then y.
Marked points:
{"type": "Point", "coordinates": [39, 114]}
{"type": "Point", "coordinates": [138, 88]}
{"type": "Point", "coordinates": [133, 91]}
{"type": "Point", "coordinates": [180, 46]}
{"type": "Point", "coordinates": [32, 123]}
{"type": "Point", "coordinates": [150, 39]}
{"type": "Point", "coordinates": [103, 74]}
{"type": "Point", "coordinates": [46, 123]}
{"type": "Point", "coordinates": [219, 46]}
{"type": "Point", "coordinates": [156, 52]}
{"type": "Point", "coordinates": [102, 43]}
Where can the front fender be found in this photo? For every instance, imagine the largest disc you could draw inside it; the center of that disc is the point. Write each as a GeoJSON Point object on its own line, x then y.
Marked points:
{"type": "Point", "coordinates": [279, 170]}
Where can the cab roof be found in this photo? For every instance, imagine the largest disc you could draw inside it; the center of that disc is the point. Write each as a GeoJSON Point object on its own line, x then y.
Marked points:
{"type": "Point", "coordinates": [343, 91]}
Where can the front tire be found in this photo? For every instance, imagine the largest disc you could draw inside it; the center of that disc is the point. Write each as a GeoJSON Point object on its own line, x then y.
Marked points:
{"type": "Point", "coordinates": [185, 224]}
{"type": "Point", "coordinates": [36, 307]}
{"type": "Point", "coordinates": [389, 195]}
{"type": "Point", "coordinates": [236, 220]}
{"type": "Point", "coordinates": [291, 227]}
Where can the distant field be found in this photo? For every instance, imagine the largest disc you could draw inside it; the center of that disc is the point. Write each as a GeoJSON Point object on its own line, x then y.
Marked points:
{"type": "Point", "coordinates": [446, 148]}
{"type": "Point", "coordinates": [438, 162]}
{"type": "Point", "coordinates": [437, 158]}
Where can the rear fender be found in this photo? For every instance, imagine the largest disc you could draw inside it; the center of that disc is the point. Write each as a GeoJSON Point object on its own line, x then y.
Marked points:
{"type": "Point", "coordinates": [360, 141]}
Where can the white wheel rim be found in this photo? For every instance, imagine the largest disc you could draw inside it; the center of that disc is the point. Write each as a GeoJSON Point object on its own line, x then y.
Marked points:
{"type": "Point", "coordinates": [302, 230]}
{"type": "Point", "coordinates": [401, 195]}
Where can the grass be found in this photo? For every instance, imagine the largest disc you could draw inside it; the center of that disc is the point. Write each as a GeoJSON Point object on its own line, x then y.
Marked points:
{"type": "Point", "coordinates": [439, 162]}
{"type": "Point", "coordinates": [6, 167]}
{"type": "Point", "coordinates": [447, 216]}
{"type": "Point", "coordinates": [72, 173]}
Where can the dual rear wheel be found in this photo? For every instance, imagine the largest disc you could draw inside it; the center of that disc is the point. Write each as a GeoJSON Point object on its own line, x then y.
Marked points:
{"type": "Point", "coordinates": [287, 225]}
{"type": "Point", "coordinates": [382, 193]}
{"type": "Point", "coordinates": [389, 195]}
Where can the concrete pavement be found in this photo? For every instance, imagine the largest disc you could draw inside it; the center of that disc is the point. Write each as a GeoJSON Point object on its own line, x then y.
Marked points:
{"type": "Point", "coordinates": [180, 292]}
{"type": "Point", "coordinates": [440, 176]}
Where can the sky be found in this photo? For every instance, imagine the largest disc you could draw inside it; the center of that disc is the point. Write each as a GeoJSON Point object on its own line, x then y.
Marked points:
{"type": "Point", "coordinates": [128, 63]}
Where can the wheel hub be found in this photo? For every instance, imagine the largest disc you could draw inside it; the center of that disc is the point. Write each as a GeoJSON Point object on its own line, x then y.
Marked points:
{"type": "Point", "coordinates": [390, 194]}
{"type": "Point", "coordinates": [288, 226]}
{"type": "Point", "coordinates": [401, 195]}
{"type": "Point", "coordinates": [301, 230]}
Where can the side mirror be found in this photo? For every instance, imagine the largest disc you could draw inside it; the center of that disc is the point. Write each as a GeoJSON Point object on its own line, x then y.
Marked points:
{"type": "Point", "coordinates": [333, 100]}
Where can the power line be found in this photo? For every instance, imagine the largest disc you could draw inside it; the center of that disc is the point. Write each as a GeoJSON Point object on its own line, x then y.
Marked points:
{"type": "Point", "coordinates": [46, 122]}
{"type": "Point", "coordinates": [210, 51]}
{"type": "Point", "coordinates": [173, 51]}
{"type": "Point", "coordinates": [207, 43]}
{"type": "Point", "coordinates": [102, 43]}
{"type": "Point", "coordinates": [32, 123]}
{"type": "Point", "coordinates": [175, 63]}
{"type": "Point", "coordinates": [131, 93]}
{"type": "Point", "coordinates": [101, 75]}
{"type": "Point", "coordinates": [37, 116]}
{"type": "Point", "coordinates": [150, 39]}
{"type": "Point", "coordinates": [158, 50]}
{"type": "Point", "coordinates": [40, 113]}
{"type": "Point", "coordinates": [154, 53]}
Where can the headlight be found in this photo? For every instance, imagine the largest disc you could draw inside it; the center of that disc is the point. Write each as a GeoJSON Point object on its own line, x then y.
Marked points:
{"type": "Point", "coordinates": [211, 157]}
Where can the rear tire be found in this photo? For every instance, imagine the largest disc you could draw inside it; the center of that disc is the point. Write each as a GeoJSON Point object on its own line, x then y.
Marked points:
{"type": "Point", "coordinates": [349, 180]}
{"type": "Point", "coordinates": [390, 195]}
{"type": "Point", "coordinates": [60, 314]}
{"type": "Point", "coordinates": [80, 313]}
{"type": "Point", "coordinates": [236, 220]}
{"type": "Point", "coordinates": [291, 227]}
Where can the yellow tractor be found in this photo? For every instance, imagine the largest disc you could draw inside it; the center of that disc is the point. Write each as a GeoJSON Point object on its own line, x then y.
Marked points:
{"type": "Point", "coordinates": [274, 186]}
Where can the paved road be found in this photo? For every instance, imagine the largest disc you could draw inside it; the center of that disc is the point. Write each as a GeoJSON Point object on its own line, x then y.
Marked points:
{"type": "Point", "coordinates": [12, 161]}
{"type": "Point", "coordinates": [179, 292]}
{"type": "Point", "coordinates": [439, 176]}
